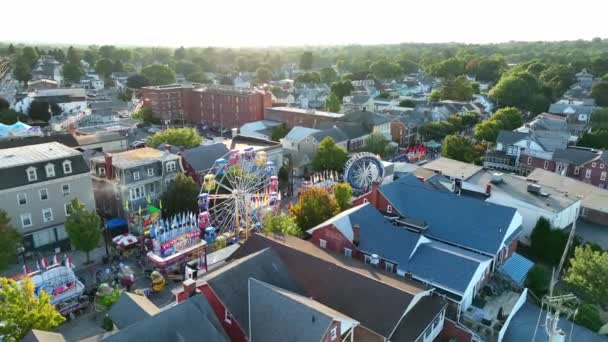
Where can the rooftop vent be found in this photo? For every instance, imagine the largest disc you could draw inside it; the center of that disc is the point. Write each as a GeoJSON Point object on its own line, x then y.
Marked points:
{"type": "Point", "coordinates": [375, 260]}
{"type": "Point", "coordinates": [536, 189]}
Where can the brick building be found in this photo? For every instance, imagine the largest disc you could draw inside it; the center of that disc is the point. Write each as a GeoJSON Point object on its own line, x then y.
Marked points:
{"type": "Point", "coordinates": [302, 117]}
{"type": "Point", "coordinates": [218, 106]}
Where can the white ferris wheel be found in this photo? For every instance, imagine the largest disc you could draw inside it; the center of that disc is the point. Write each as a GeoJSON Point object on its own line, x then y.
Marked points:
{"type": "Point", "coordinates": [237, 192]}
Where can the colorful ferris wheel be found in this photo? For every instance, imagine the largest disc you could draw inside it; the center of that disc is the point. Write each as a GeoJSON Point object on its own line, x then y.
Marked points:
{"type": "Point", "coordinates": [237, 192]}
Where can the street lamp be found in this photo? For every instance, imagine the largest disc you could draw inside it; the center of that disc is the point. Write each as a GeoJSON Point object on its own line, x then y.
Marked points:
{"type": "Point", "coordinates": [21, 252]}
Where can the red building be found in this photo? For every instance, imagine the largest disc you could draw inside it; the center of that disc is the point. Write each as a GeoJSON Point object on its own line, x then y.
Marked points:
{"type": "Point", "coordinates": [218, 106]}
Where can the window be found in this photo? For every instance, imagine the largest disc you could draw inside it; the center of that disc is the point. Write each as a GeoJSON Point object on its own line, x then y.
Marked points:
{"type": "Point", "coordinates": [101, 171]}
{"type": "Point", "coordinates": [44, 194]}
{"type": "Point", "coordinates": [322, 243]}
{"type": "Point", "coordinates": [588, 173]}
{"type": "Point", "coordinates": [50, 170]}
{"type": "Point", "coordinates": [22, 198]}
{"type": "Point", "coordinates": [31, 174]}
{"type": "Point", "coordinates": [603, 175]}
{"type": "Point", "coordinates": [151, 188]}
{"type": "Point", "coordinates": [150, 172]}
{"type": "Point", "coordinates": [227, 317]}
{"type": "Point", "coordinates": [137, 192]}
{"type": "Point", "coordinates": [171, 167]}
{"type": "Point", "coordinates": [348, 252]}
{"type": "Point", "coordinates": [529, 161]}
{"type": "Point", "coordinates": [61, 233]}
{"type": "Point", "coordinates": [47, 215]}
{"type": "Point", "coordinates": [546, 165]}
{"type": "Point", "coordinates": [135, 175]}
{"type": "Point", "coordinates": [44, 237]}
{"type": "Point", "coordinates": [389, 267]}
{"type": "Point", "coordinates": [577, 170]}
{"type": "Point", "coordinates": [334, 333]}
{"type": "Point", "coordinates": [389, 209]}
{"type": "Point", "coordinates": [26, 220]}
{"type": "Point", "coordinates": [65, 188]}
{"type": "Point", "coordinates": [593, 164]}
{"type": "Point", "coordinates": [365, 200]}
{"type": "Point", "coordinates": [601, 166]}
{"type": "Point", "coordinates": [68, 208]}
{"type": "Point", "coordinates": [67, 166]}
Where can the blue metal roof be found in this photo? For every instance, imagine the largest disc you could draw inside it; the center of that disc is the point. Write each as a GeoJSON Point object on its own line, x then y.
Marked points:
{"type": "Point", "coordinates": [516, 268]}
{"type": "Point", "coordinates": [463, 221]}
{"type": "Point", "coordinates": [116, 222]}
{"type": "Point", "coordinates": [443, 268]}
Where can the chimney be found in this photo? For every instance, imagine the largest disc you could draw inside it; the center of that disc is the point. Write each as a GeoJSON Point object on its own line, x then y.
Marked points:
{"type": "Point", "coordinates": [356, 235]}
{"type": "Point", "coordinates": [168, 148]}
{"type": "Point", "coordinates": [488, 189]}
{"type": "Point", "coordinates": [189, 288]}
{"type": "Point", "coordinates": [108, 159]}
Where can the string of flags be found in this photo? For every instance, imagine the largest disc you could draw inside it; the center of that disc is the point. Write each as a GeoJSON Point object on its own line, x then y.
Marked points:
{"type": "Point", "coordinates": [332, 176]}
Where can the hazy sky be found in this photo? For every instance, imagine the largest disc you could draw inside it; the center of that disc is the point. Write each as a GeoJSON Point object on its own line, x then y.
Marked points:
{"type": "Point", "coordinates": [304, 22]}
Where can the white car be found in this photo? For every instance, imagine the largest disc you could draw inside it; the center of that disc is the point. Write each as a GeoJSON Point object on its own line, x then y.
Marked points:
{"type": "Point", "coordinates": [153, 130]}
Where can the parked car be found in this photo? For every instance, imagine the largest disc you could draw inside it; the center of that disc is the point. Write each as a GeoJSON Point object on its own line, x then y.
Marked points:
{"type": "Point", "coordinates": [153, 130]}
{"type": "Point", "coordinates": [138, 144]}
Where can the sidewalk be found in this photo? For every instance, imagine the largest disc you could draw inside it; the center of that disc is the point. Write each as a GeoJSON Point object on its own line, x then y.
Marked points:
{"type": "Point", "coordinates": [78, 260]}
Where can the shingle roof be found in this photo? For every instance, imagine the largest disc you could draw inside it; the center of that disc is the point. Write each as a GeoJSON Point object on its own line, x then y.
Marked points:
{"type": "Point", "coordinates": [352, 130]}
{"type": "Point", "coordinates": [298, 133]}
{"type": "Point", "coordinates": [191, 320]}
{"type": "Point", "coordinates": [366, 118]}
{"type": "Point", "coordinates": [64, 139]}
{"type": "Point", "coordinates": [130, 309]}
{"type": "Point", "coordinates": [574, 155]}
{"type": "Point", "coordinates": [463, 221]}
{"type": "Point", "coordinates": [299, 318]}
{"type": "Point", "coordinates": [335, 133]}
{"type": "Point", "coordinates": [347, 286]}
{"type": "Point", "coordinates": [140, 156]}
{"type": "Point", "coordinates": [425, 311]}
{"type": "Point", "coordinates": [510, 137]}
{"type": "Point", "coordinates": [564, 108]}
{"type": "Point", "coordinates": [201, 158]}
{"type": "Point", "coordinates": [548, 140]}
{"type": "Point", "coordinates": [231, 282]}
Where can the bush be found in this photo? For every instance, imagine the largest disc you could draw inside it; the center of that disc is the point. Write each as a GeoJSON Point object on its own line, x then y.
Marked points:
{"type": "Point", "coordinates": [107, 324]}
{"type": "Point", "coordinates": [589, 316]}
{"type": "Point", "coordinates": [548, 244]}
{"type": "Point", "coordinates": [538, 281]}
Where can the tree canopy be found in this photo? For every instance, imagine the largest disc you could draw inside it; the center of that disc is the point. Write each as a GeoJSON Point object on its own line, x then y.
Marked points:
{"type": "Point", "coordinates": [333, 103]}
{"type": "Point", "coordinates": [459, 148]}
{"type": "Point", "coordinates": [328, 75]}
{"type": "Point", "coordinates": [186, 137]}
{"type": "Point", "coordinates": [83, 227]}
{"type": "Point", "coordinates": [263, 75]}
{"type": "Point", "coordinates": [306, 60]}
{"type": "Point", "coordinates": [159, 74]}
{"type": "Point", "coordinates": [457, 89]}
{"type": "Point", "coordinates": [376, 143]}
{"type": "Point", "coordinates": [329, 156]}
{"type": "Point", "coordinates": [22, 310]}
{"type": "Point", "coordinates": [72, 72]}
{"type": "Point", "coordinates": [599, 93]}
{"type": "Point", "coordinates": [588, 273]}
{"type": "Point", "coordinates": [137, 81]}
{"type": "Point", "coordinates": [180, 196]}
{"type": "Point", "coordinates": [341, 89]}
{"type": "Point", "coordinates": [281, 223]}
{"type": "Point", "coordinates": [40, 110]}
{"type": "Point", "coordinates": [314, 206]}
{"type": "Point", "coordinates": [507, 118]}
{"type": "Point", "coordinates": [9, 238]}
{"type": "Point", "coordinates": [343, 193]}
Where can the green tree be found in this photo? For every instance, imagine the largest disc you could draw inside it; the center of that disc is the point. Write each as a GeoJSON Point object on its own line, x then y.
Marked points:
{"type": "Point", "coordinates": [595, 139]}
{"type": "Point", "coordinates": [435, 96]}
{"type": "Point", "coordinates": [11, 49]}
{"type": "Point", "coordinates": [9, 238]}
{"type": "Point", "coordinates": [309, 77]}
{"type": "Point", "coordinates": [22, 71]}
{"type": "Point", "coordinates": [3, 104]}
{"type": "Point", "coordinates": [22, 310]}
{"type": "Point", "coordinates": [599, 118]}
{"type": "Point", "coordinates": [333, 103]}
{"type": "Point", "coordinates": [314, 206]}
{"type": "Point", "coordinates": [72, 72]}
{"type": "Point", "coordinates": [457, 89]}
{"type": "Point", "coordinates": [470, 119]}
{"type": "Point", "coordinates": [407, 103]}
{"type": "Point", "coordinates": [459, 148]}
{"type": "Point", "coordinates": [341, 89]}
{"type": "Point", "coordinates": [281, 223]}
{"type": "Point", "coordinates": [538, 281]}
{"type": "Point", "coordinates": [198, 77]}
{"type": "Point", "coordinates": [509, 118]}
{"type": "Point", "coordinates": [329, 156]}
{"type": "Point", "coordinates": [263, 75]}
{"type": "Point", "coordinates": [40, 110]}
{"type": "Point", "coordinates": [384, 69]}
{"type": "Point", "coordinates": [519, 89]}
{"type": "Point", "coordinates": [107, 51]}
{"type": "Point", "coordinates": [73, 56]}
{"type": "Point", "coordinates": [159, 74]}
{"type": "Point", "coordinates": [588, 316]}
{"type": "Point", "coordinates": [558, 77]}
{"type": "Point", "coordinates": [137, 81]}
{"type": "Point", "coordinates": [588, 273]}
{"type": "Point", "coordinates": [180, 196]}
{"type": "Point", "coordinates": [83, 227]}
{"type": "Point", "coordinates": [180, 53]}
{"type": "Point", "coordinates": [306, 60]}
{"type": "Point", "coordinates": [407, 65]}
{"type": "Point", "coordinates": [186, 137]}
{"type": "Point", "coordinates": [436, 130]}
{"type": "Point", "coordinates": [90, 56]}
{"type": "Point", "coordinates": [599, 93]}
{"type": "Point", "coordinates": [487, 130]}
{"type": "Point", "coordinates": [343, 193]}
{"type": "Point", "coordinates": [186, 68]}
{"type": "Point", "coordinates": [376, 143]}
{"type": "Point", "coordinates": [29, 55]}
{"type": "Point", "coordinates": [104, 67]}
{"type": "Point", "coordinates": [448, 68]}
{"type": "Point", "coordinates": [147, 116]}
{"type": "Point", "coordinates": [279, 132]}
{"type": "Point", "coordinates": [490, 69]}
{"type": "Point", "coordinates": [547, 243]}
{"type": "Point", "coordinates": [328, 75]}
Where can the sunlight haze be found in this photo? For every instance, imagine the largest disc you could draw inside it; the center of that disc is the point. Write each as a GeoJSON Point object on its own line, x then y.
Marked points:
{"type": "Point", "coordinates": [313, 22]}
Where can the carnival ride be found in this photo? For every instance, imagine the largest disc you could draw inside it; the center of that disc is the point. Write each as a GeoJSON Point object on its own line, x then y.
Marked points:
{"type": "Point", "coordinates": [236, 193]}
{"type": "Point", "coordinates": [362, 170]}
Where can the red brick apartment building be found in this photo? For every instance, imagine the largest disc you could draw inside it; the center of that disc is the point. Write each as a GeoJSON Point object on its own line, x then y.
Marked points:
{"type": "Point", "coordinates": [218, 106]}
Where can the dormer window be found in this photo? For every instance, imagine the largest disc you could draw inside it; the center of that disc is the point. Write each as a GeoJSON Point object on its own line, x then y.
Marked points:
{"type": "Point", "coordinates": [102, 171]}
{"type": "Point", "coordinates": [67, 166]}
{"type": "Point", "coordinates": [31, 174]}
{"type": "Point", "coordinates": [50, 170]}
{"type": "Point", "coordinates": [171, 167]}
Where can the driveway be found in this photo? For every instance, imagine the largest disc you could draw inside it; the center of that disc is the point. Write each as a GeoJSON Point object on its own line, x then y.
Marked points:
{"type": "Point", "coordinates": [591, 232]}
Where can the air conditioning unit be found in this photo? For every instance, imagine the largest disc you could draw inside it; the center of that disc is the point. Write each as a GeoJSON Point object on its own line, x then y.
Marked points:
{"type": "Point", "coordinates": [375, 260]}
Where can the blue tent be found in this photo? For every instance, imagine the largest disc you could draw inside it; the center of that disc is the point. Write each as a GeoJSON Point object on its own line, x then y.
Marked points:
{"type": "Point", "coordinates": [116, 223]}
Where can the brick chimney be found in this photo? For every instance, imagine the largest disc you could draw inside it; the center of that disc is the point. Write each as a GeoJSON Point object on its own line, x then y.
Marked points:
{"type": "Point", "coordinates": [356, 235]}
{"type": "Point", "coordinates": [488, 189]}
{"type": "Point", "coordinates": [168, 148]}
{"type": "Point", "coordinates": [189, 288]}
{"type": "Point", "coordinates": [108, 159]}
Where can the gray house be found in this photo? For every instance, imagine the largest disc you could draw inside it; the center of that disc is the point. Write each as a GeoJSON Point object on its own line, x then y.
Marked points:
{"type": "Point", "coordinates": [126, 181]}
{"type": "Point", "coordinates": [38, 184]}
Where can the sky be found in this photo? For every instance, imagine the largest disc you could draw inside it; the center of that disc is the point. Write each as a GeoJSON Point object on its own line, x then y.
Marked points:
{"type": "Point", "coordinates": [244, 23]}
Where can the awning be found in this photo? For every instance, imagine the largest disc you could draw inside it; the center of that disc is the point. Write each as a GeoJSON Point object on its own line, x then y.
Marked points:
{"type": "Point", "coordinates": [516, 268]}
{"type": "Point", "coordinates": [115, 223]}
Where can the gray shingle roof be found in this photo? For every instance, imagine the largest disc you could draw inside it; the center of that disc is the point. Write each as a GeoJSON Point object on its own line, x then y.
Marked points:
{"type": "Point", "coordinates": [64, 139]}
{"type": "Point", "coordinates": [564, 108]}
{"type": "Point", "coordinates": [201, 158]}
{"type": "Point", "coordinates": [548, 140]}
{"type": "Point", "coordinates": [510, 137]}
{"type": "Point", "coordinates": [130, 309]}
{"type": "Point", "coordinates": [231, 282]}
{"type": "Point", "coordinates": [335, 133]}
{"type": "Point", "coordinates": [352, 130]}
{"type": "Point", "coordinates": [191, 320]}
{"type": "Point", "coordinates": [300, 319]}
{"type": "Point", "coordinates": [574, 155]}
